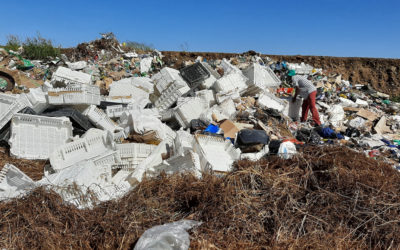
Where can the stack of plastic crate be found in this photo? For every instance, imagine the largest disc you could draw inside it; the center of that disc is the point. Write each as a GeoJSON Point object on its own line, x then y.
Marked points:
{"type": "Point", "coordinates": [170, 95]}
{"type": "Point", "coordinates": [260, 78]}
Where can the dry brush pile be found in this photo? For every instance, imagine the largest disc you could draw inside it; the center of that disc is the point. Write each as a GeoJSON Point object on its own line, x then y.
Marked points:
{"type": "Point", "coordinates": [324, 197]}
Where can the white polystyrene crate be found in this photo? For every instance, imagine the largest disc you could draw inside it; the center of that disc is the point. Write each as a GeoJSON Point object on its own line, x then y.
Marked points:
{"type": "Point", "coordinates": [144, 83]}
{"type": "Point", "coordinates": [231, 82]}
{"type": "Point", "coordinates": [207, 95]}
{"type": "Point", "coordinates": [187, 162]}
{"type": "Point", "coordinates": [268, 100]}
{"type": "Point", "coordinates": [260, 78]}
{"type": "Point", "coordinates": [165, 77]}
{"type": "Point", "coordinates": [216, 153]}
{"type": "Point", "coordinates": [154, 159]}
{"type": "Point", "coordinates": [109, 158]}
{"type": "Point", "coordinates": [13, 182]}
{"type": "Point", "coordinates": [74, 94]}
{"type": "Point", "coordinates": [123, 166]}
{"type": "Point", "coordinates": [223, 96]}
{"type": "Point", "coordinates": [167, 115]}
{"type": "Point", "coordinates": [69, 76]}
{"type": "Point", "coordinates": [9, 105]}
{"type": "Point", "coordinates": [127, 90]}
{"type": "Point", "coordinates": [170, 134]}
{"type": "Point", "coordinates": [171, 95]}
{"type": "Point", "coordinates": [134, 153]}
{"type": "Point", "coordinates": [255, 156]}
{"type": "Point", "coordinates": [209, 82]}
{"type": "Point", "coordinates": [120, 135]}
{"type": "Point", "coordinates": [189, 110]}
{"type": "Point", "coordinates": [36, 99]}
{"type": "Point", "coordinates": [93, 144]}
{"type": "Point", "coordinates": [35, 137]}
{"type": "Point", "coordinates": [100, 119]}
{"type": "Point", "coordinates": [228, 67]}
{"type": "Point", "coordinates": [183, 142]}
{"type": "Point", "coordinates": [116, 111]}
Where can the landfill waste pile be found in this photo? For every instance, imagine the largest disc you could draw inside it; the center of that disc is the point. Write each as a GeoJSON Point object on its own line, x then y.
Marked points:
{"type": "Point", "coordinates": [105, 142]}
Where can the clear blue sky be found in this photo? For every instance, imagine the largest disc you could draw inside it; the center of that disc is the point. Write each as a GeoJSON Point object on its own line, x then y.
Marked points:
{"type": "Point", "coordinates": [365, 28]}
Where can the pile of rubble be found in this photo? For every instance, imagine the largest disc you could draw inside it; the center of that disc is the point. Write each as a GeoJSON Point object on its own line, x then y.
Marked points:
{"type": "Point", "coordinates": [107, 121]}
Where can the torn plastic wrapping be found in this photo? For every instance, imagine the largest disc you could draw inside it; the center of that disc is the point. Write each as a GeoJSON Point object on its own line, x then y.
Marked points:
{"type": "Point", "coordinates": [170, 236]}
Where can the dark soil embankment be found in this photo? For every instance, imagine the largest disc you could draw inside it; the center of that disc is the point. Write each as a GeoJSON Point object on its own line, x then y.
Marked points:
{"type": "Point", "coordinates": [383, 74]}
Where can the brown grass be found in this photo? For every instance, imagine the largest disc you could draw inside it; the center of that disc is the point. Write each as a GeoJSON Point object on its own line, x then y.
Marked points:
{"type": "Point", "coordinates": [327, 197]}
{"type": "Point", "coordinates": [32, 168]}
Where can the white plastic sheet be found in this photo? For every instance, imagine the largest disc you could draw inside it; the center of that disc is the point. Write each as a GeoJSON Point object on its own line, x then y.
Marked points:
{"type": "Point", "coordinates": [287, 150]}
{"type": "Point", "coordinates": [336, 115]}
{"type": "Point", "coordinates": [170, 236]}
{"type": "Point", "coordinates": [77, 65]}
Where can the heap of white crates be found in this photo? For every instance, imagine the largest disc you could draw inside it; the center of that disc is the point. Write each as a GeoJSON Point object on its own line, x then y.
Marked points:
{"type": "Point", "coordinates": [88, 144]}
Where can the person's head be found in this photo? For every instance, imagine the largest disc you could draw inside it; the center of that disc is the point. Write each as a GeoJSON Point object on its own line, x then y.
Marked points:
{"type": "Point", "coordinates": [290, 74]}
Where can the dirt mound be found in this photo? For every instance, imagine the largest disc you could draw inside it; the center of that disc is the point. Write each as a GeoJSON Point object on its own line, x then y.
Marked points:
{"type": "Point", "coordinates": [327, 197]}
{"type": "Point", "coordinates": [85, 51]}
{"type": "Point", "coordinates": [383, 74]}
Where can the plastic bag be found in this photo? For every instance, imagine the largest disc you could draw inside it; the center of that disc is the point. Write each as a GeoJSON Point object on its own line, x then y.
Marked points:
{"type": "Point", "coordinates": [336, 115]}
{"type": "Point", "coordinates": [168, 236]}
{"type": "Point", "coordinates": [287, 150]}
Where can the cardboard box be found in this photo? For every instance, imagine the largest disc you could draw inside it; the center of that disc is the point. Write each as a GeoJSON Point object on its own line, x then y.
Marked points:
{"type": "Point", "coordinates": [229, 129]}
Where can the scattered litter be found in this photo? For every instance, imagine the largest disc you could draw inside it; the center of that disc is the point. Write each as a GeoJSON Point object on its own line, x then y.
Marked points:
{"type": "Point", "coordinates": [107, 116]}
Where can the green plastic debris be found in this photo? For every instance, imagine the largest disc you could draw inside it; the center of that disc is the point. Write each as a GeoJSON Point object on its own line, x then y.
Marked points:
{"type": "Point", "coordinates": [397, 142]}
{"type": "Point", "coordinates": [3, 84]}
{"type": "Point", "coordinates": [386, 102]}
{"type": "Point", "coordinates": [27, 65]}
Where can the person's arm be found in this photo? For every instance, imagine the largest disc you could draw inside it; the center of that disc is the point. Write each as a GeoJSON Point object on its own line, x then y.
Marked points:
{"type": "Point", "coordinates": [296, 92]}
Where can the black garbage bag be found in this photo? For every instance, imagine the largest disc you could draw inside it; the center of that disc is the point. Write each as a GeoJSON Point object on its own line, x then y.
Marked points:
{"type": "Point", "coordinates": [248, 137]}
{"type": "Point", "coordinates": [308, 136]}
{"type": "Point", "coordinates": [197, 124]}
{"type": "Point", "coordinates": [314, 138]}
{"type": "Point", "coordinates": [274, 113]}
{"type": "Point", "coordinates": [274, 146]}
{"type": "Point", "coordinates": [303, 135]}
{"type": "Point", "coordinates": [352, 132]}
